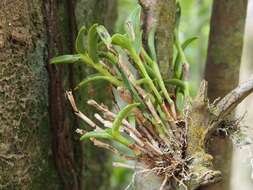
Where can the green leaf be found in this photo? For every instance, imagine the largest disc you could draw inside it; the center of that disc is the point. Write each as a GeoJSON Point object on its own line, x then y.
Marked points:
{"type": "Point", "coordinates": [104, 35]}
{"type": "Point", "coordinates": [188, 42]}
{"type": "Point", "coordinates": [120, 116]}
{"type": "Point", "coordinates": [65, 59]}
{"type": "Point", "coordinates": [150, 71]}
{"type": "Point", "coordinates": [80, 40]}
{"type": "Point", "coordinates": [96, 134]}
{"type": "Point", "coordinates": [108, 55]}
{"type": "Point", "coordinates": [176, 82]}
{"type": "Point", "coordinates": [180, 101]}
{"type": "Point", "coordinates": [122, 41]}
{"type": "Point", "coordinates": [133, 28]}
{"type": "Point", "coordinates": [132, 120]}
{"type": "Point", "coordinates": [142, 81]}
{"type": "Point", "coordinates": [131, 89]}
{"type": "Point", "coordinates": [93, 42]}
{"type": "Point", "coordinates": [178, 63]}
{"type": "Point", "coordinates": [151, 42]}
{"type": "Point", "coordinates": [178, 14]}
{"type": "Point", "coordinates": [92, 78]}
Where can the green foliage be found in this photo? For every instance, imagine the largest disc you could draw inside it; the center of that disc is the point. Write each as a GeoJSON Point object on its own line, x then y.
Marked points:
{"type": "Point", "coordinates": [93, 43]}
{"type": "Point", "coordinates": [65, 59]}
{"type": "Point", "coordinates": [122, 41]}
{"type": "Point", "coordinates": [117, 123]}
{"type": "Point", "coordinates": [114, 132]}
{"type": "Point", "coordinates": [195, 19]}
{"type": "Point", "coordinates": [96, 134]}
{"type": "Point", "coordinates": [92, 78]}
{"type": "Point", "coordinates": [180, 101]}
{"type": "Point", "coordinates": [133, 28]}
{"type": "Point", "coordinates": [180, 56]}
{"type": "Point", "coordinates": [140, 77]}
{"type": "Point", "coordinates": [151, 43]}
{"type": "Point", "coordinates": [104, 35]}
{"type": "Point", "coordinates": [80, 41]}
{"type": "Point", "coordinates": [107, 53]}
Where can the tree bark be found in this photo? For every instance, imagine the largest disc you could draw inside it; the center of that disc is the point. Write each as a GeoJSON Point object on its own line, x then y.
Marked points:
{"type": "Point", "coordinates": [31, 32]}
{"type": "Point", "coordinates": [161, 13]}
{"type": "Point", "coordinates": [76, 162]}
{"type": "Point", "coordinates": [25, 154]}
{"type": "Point", "coordinates": [222, 70]}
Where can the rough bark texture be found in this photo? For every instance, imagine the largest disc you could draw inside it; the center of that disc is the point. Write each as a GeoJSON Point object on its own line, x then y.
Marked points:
{"type": "Point", "coordinates": [72, 169]}
{"type": "Point", "coordinates": [222, 69]}
{"type": "Point", "coordinates": [31, 32]}
{"type": "Point", "coordinates": [161, 13]}
{"type": "Point", "coordinates": [25, 156]}
{"type": "Point", "coordinates": [59, 122]}
{"type": "Point", "coordinates": [96, 11]}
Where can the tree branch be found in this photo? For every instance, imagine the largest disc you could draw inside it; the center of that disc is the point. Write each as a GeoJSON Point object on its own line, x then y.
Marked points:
{"type": "Point", "coordinates": [232, 99]}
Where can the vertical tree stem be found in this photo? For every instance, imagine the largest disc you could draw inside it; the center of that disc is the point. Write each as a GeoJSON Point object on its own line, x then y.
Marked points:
{"type": "Point", "coordinates": [222, 69]}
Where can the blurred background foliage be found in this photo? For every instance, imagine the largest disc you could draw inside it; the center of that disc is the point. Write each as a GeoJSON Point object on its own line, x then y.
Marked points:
{"type": "Point", "coordinates": [195, 19]}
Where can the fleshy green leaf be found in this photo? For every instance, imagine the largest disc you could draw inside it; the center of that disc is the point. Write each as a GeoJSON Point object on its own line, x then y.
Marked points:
{"type": "Point", "coordinates": [96, 134]}
{"type": "Point", "coordinates": [93, 42]}
{"type": "Point", "coordinates": [177, 63]}
{"type": "Point", "coordinates": [132, 120]}
{"type": "Point", "coordinates": [180, 101]}
{"type": "Point", "coordinates": [80, 40]}
{"type": "Point", "coordinates": [65, 59]}
{"type": "Point", "coordinates": [176, 82]}
{"type": "Point", "coordinates": [111, 57]}
{"type": "Point", "coordinates": [104, 35]}
{"type": "Point", "coordinates": [151, 42]}
{"type": "Point", "coordinates": [131, 89]}
{"type": "Point", "coordinates": [178, 14]}
{"type": "Point", "coordinates": [92, 78]}
{"type": "Point", "coordinates": [188, 42]}
{"type": "Point", "coordinates": [122, 41]}
{"type": "Point", "coordinates": [133, 28]}
{"type": "Point", "coordinates": [117, 123]}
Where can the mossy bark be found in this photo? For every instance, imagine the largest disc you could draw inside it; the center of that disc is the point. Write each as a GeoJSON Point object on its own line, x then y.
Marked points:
{"type": "Point", "coordinates": [25, 154]}
{"type": "Point", "coordinates": [77, 163]}
{"type": "Point", "coordinates": [28, 128]}
{"type": "Point", "coordinates": [222, 69]}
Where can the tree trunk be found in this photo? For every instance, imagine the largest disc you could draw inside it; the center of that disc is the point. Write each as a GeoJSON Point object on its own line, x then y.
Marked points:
{"type": "Point", "coordinates": [222, 69]}
{"type": "Point", "coordinates": [161, 13]}
{"type": "Point", "coordinates": [76, 163]}
{"type": "Point", "coordinates": [26, 157]}
{"type": "Point", "coordinates": [31, 32]}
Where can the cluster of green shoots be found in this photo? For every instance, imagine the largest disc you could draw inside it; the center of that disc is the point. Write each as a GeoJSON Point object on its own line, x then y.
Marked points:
{"type": "Point", "coordinates": [149, 123]}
